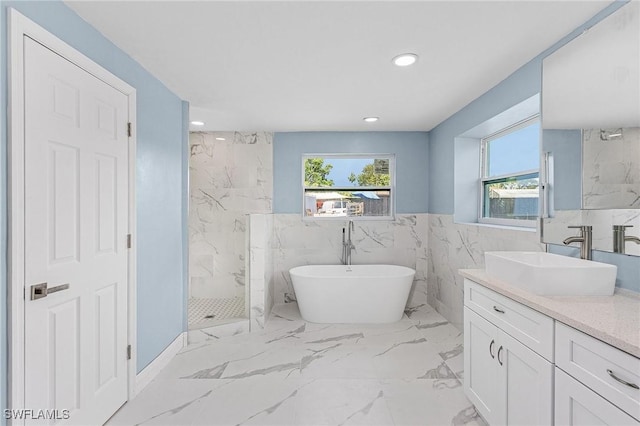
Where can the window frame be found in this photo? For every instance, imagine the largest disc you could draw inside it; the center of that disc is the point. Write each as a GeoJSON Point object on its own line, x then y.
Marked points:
{"type": "Point", "coordinates": [484, 179]}
{"type": "Point", "coordinates": [373, 156]}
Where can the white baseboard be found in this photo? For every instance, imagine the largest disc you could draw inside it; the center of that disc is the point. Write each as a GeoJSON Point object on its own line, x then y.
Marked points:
{"type": "Point", "coordinates": [150, 372]}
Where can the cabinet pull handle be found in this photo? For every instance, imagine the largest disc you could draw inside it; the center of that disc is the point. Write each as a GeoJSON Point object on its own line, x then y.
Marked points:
{"type": "Point", "coordinates": [491, 348]}
{"type": "Point", "coordinates": [495, 308]}
{"type": "Point", "coordinates": [499, 351]}
{"type": "Point", "coordinates": [624, 382]}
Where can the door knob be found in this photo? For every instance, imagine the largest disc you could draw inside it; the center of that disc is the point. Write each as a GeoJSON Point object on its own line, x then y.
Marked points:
{"type": "Point", "coordinates": [38, 291]}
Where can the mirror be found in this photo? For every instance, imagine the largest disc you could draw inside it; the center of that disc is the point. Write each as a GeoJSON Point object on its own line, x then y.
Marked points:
{"type": "Point", "coordinates": [591, 133]}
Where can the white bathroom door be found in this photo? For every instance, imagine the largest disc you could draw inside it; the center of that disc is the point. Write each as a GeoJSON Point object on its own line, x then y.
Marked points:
{"type": "Point", "coordinates": [75, 225]}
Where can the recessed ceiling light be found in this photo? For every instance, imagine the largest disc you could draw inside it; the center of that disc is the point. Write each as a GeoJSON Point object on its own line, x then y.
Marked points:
{"type": "Point", "coordinates": [198, 123]}
{"type": "Point", "coordinates": [220, 139]}
{"type": "Point", "coordinates": [370, 119]}
{"type": "Point", "coordinates": [405, 59]}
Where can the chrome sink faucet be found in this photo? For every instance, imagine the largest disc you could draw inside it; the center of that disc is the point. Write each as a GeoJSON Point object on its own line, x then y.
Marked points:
{"type": "Point", "coordinates": [585, 239]}
{"type": "Point", "coordinates": [347, 245]}
{"type": "Point", "coordinates": [620, 239]}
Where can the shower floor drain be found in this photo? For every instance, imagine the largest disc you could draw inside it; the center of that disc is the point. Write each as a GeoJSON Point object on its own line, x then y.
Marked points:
{"type": "Point", "coordinates": [212, 310]}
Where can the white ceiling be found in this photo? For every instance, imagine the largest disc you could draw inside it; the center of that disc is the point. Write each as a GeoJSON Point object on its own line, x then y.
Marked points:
{"type": "Point", "coordinates": [324, 65]}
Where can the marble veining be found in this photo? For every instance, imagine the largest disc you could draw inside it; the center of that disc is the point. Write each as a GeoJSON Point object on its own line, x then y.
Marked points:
{"type": "Point", "coordinates": [453, 246]}
{"type": "Point", "coordinates": [297, 373]}
{"type": "Point", "coordinates": [297, 242]}
{"type": "Point", "coordinates": [228, 179]}
{"type": "Point", "coordinates": [217, 331]}
{"type": "Point", "coordinates": [611, 168]}
{"type": "Point", "coordinates": [260, 268]}
{"type": "Point", "coordinates": [442, 371]}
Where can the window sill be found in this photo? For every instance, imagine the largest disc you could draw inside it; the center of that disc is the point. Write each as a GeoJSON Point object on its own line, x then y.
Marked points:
{"type": "Point", "coordinates": [507, 227]}
{"type": "Point", "coordinates": [347, 218]}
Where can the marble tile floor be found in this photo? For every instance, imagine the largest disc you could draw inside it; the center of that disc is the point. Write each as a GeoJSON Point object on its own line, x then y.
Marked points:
{"type": "Point", "coordinates": [299, 373]}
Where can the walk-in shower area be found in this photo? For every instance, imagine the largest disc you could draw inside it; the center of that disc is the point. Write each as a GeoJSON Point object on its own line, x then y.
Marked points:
{"type": "Point", "coordinates": [229, 178]}
{"type": "Point", "coordinates": [208, 312]}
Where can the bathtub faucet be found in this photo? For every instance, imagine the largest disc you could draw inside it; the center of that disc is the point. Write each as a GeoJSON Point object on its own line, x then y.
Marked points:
{"type": "Point", "coordinates": [347, 245]}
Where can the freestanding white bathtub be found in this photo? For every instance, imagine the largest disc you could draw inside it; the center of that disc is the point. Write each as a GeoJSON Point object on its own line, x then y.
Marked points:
{"type": "Point", "coordinates": [352, 294]}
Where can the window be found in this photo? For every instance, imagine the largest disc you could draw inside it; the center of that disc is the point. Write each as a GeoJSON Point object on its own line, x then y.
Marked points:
{"type": "Point", "coordinates": [509, 175]}
{"type": "Point", "coordinates": [343, 185]}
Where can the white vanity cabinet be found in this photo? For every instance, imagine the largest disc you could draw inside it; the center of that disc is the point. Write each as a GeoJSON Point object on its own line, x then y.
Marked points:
{"type": "Point", "coordinates": [596, 384]}
{"type": "Point", "coordinates": [577, 405]}
{"type": "Point", "coordinates": [508, 353]}
{"type": "Point", "coordinates": [524, 367]}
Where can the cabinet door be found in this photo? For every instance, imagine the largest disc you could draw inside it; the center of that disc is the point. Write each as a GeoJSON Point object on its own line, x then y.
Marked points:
{"type": "Point", "coordinates": [577, 405]}
{"type": "Point", "coordinates": [526, 382]}
{"type": "Point", "coordinates": [480, 366]}
{"type": "Point", "coordinates": [598, 366]}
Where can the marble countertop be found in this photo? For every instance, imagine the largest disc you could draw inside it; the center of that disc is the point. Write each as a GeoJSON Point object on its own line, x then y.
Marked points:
{"type": "Point", "coordinates": [612, 319]}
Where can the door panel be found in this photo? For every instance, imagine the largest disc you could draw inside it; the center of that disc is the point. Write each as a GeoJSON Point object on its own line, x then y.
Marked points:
{"type": "Point", "coordinates": [76, 221]}
{"type": "Point", "coordinates": [64, 350]}
{"type": "Point", "coordinates": [64, 203]}
{"type": "Point", "coordinates": [105, 317]}
{"type": "Point", "coordinates": [106, 206]}
{"type": "Point", "coordinates": [66, 102]}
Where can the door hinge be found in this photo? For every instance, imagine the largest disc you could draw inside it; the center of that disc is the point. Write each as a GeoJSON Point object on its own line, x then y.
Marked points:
{"type": "Point", "coordinates": [128, 351]}
{"type": "Point", "coordinates": [129, 129]}
{"type": "Point", "coordinates": [128, 241]}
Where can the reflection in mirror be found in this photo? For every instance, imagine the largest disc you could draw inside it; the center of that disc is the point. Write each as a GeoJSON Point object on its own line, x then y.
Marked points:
{"type": "Point", "coordinates": [611, 168]}
{"type": "Point", "coordinates": [555, 229]}
{"type": "Point", "coordinates": [591, 133]}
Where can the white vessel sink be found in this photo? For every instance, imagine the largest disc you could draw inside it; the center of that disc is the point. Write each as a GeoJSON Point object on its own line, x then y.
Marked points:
{"type": "Point", "coordinates": [551, 274]}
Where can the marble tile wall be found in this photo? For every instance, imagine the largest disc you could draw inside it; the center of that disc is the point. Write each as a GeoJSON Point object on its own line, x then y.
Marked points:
{"type": "Point", "coordinates": [229, 179]}
{"type": "Point", "coordinates": [602, 221]}
{"type": "Point", "coordinates": [454, 246]}
{"type": "Point", "coordinates": [611, 169]}
{"type": "Point", "coordinates": [300, 242]}
{"type": "Point", "coordinates": [260, 269]}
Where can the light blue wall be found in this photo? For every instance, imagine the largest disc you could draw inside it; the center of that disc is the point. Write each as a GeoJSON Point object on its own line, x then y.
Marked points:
{"type": "Point", "coordinates": [185, 212]}
{"type": "Point", "coordinates": [628, 276]}
{"type": "Point", "coordinates": [520, 85]}
{"type": "Point", "coordinates": [159, 180]}
{"type": "Point", "coordinates": [411, 163]}
{"type": "Point", "coordinates": [467, 164]}
{"type": "Point", "coordinates": [566, 147]}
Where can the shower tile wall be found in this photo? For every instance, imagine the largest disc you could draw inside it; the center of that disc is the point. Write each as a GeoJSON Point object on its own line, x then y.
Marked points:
{"type": "Point", "coordinates": [228, 179]}
{"type": "Point", "coordinates": [260, 267]}
{"type": "Point", "coordinates": [454, 246]}
{"type": "Point", "coordinates": [298, 242]}
{"type": "Point", "coordinates": [611, 169]}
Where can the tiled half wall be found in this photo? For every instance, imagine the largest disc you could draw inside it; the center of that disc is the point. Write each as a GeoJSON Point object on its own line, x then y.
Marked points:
{"type": "Point", "coordinates": [293, 241]}
{"type": "Point", "coordinates": [454, 246]}
{"type": "Point", "coordinates": [434, 245]}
